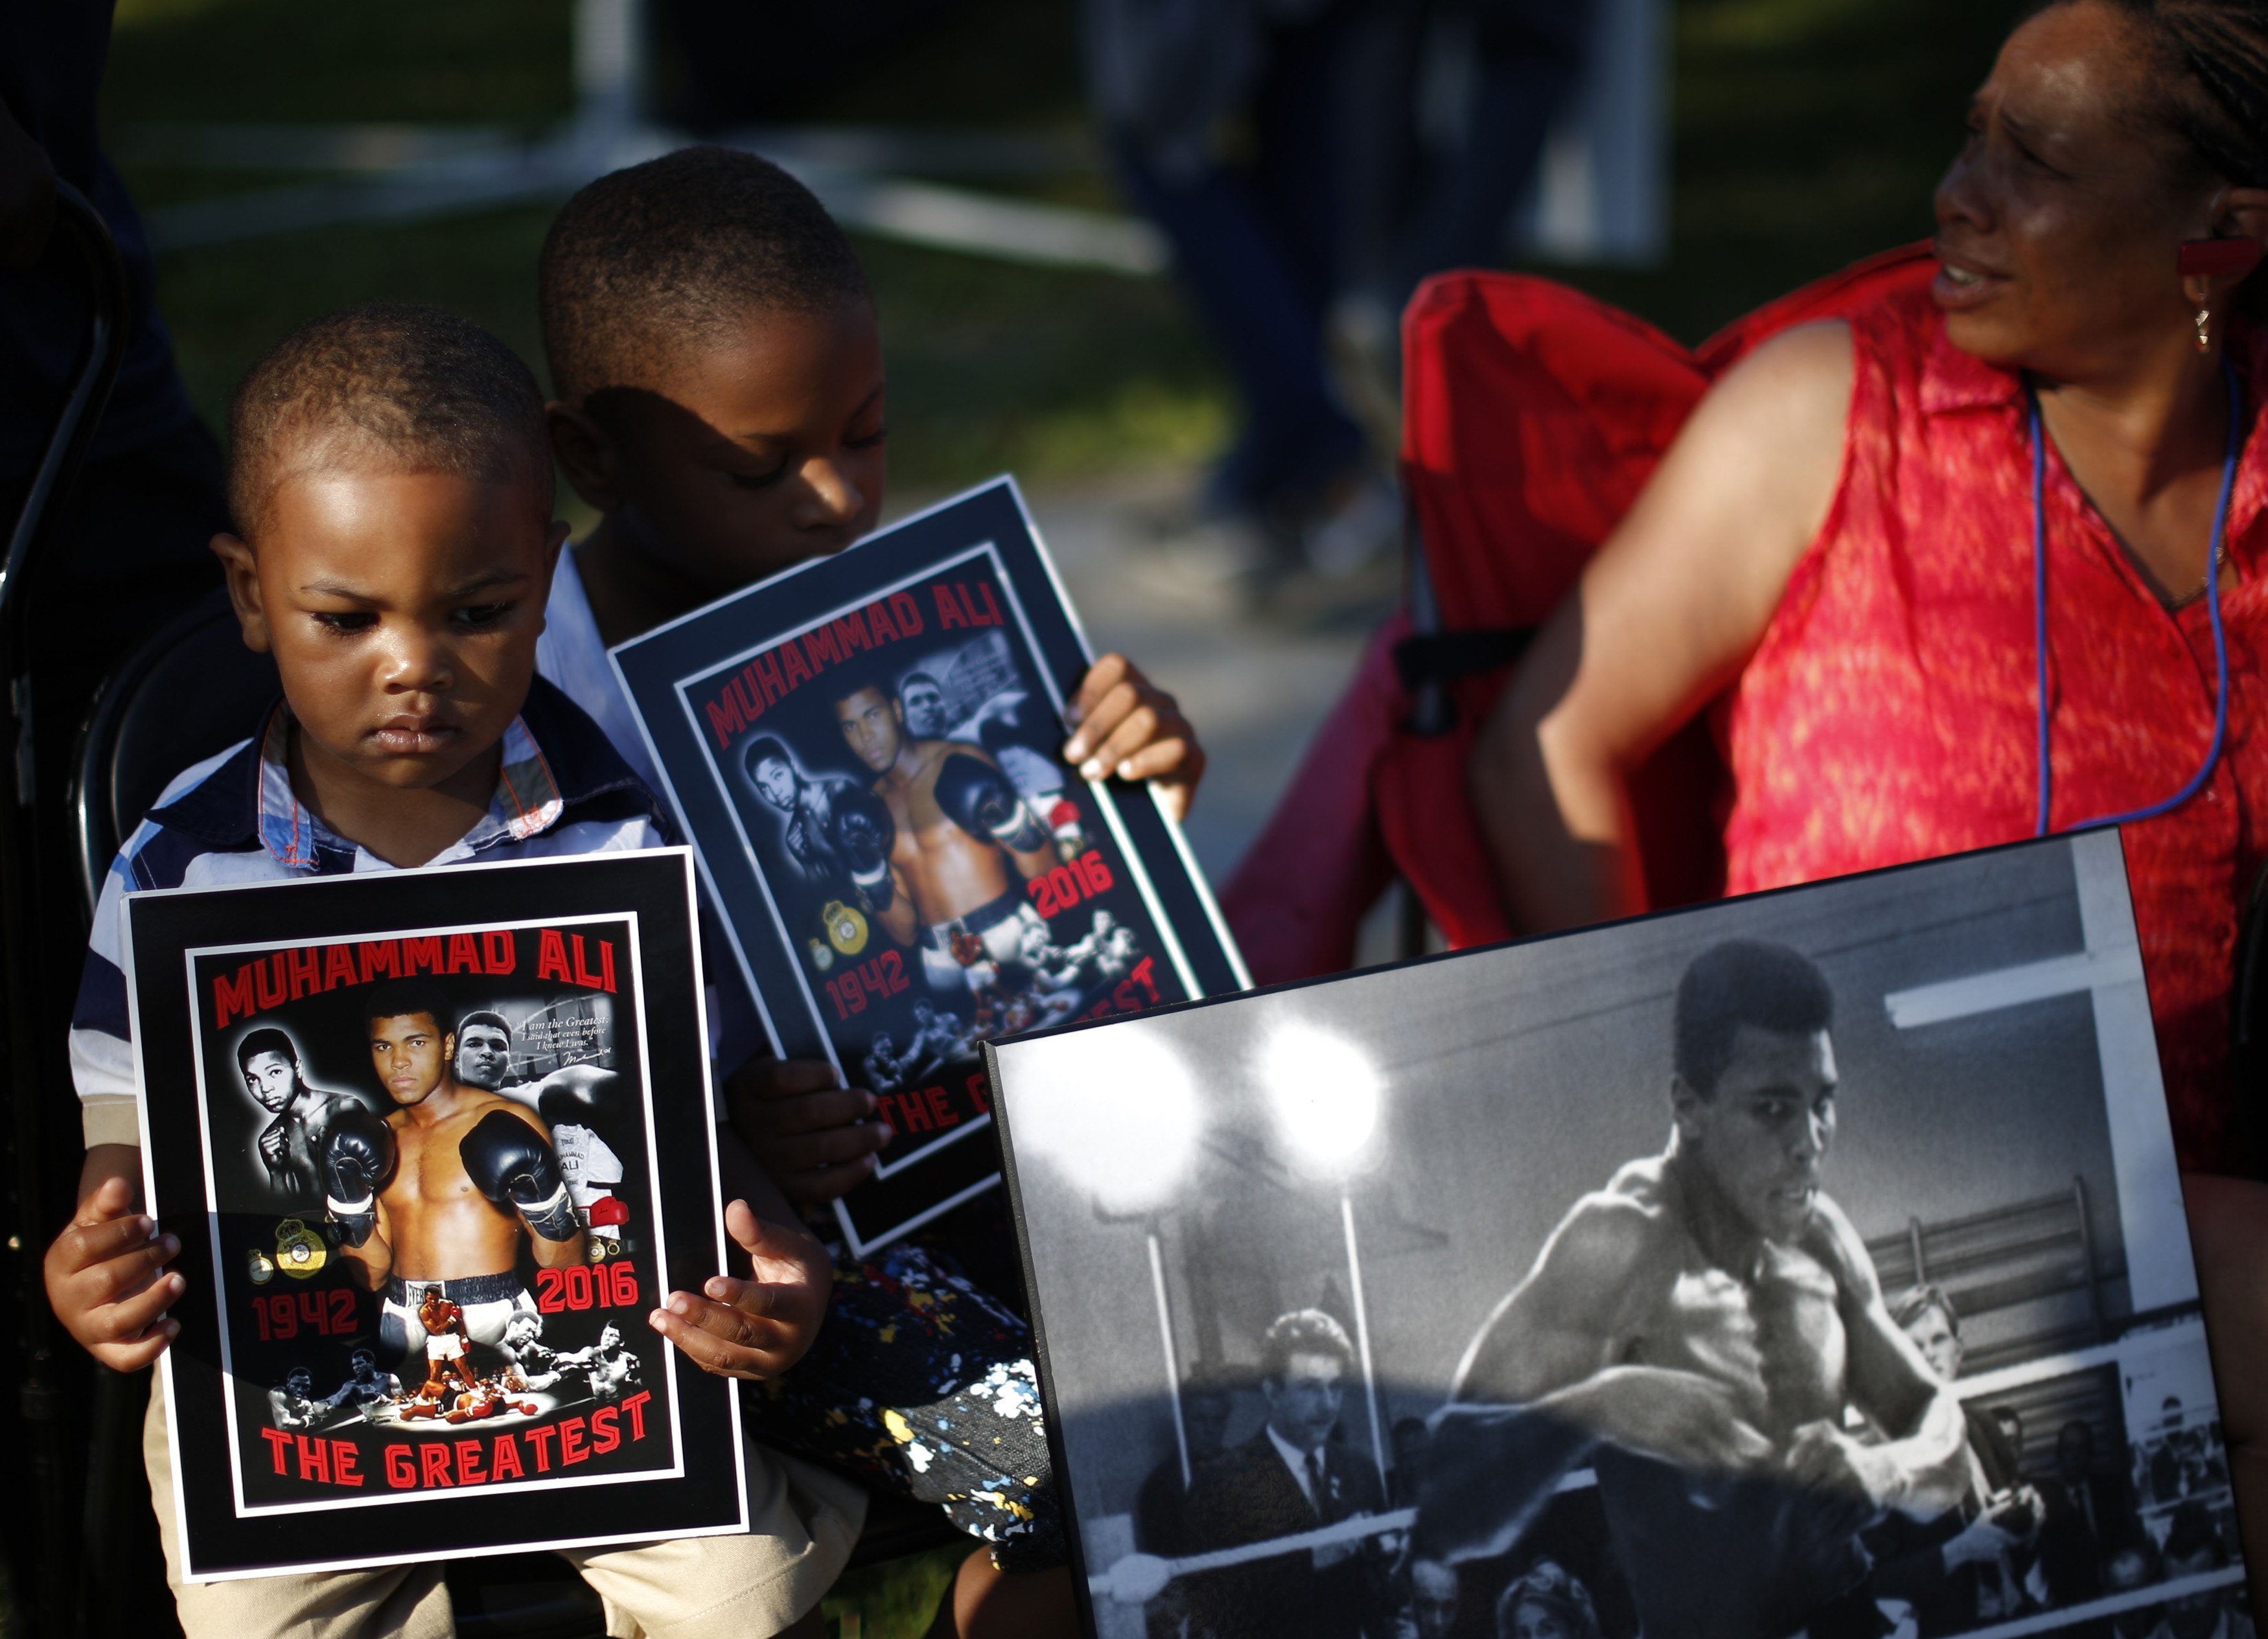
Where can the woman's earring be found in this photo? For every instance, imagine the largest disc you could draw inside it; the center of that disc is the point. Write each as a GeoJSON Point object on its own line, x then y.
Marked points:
{"type": "Point", "coordinates": [2209, 259]}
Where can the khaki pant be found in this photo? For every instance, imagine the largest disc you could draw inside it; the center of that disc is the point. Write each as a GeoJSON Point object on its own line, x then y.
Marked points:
{"type": "Point", "coordinates": [803, 1520]}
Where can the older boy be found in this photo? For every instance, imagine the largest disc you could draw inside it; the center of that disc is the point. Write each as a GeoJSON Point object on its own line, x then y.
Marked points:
{"type": "Point", "coordinates": [393, 494]}
{"type": "Point", "coordinates": [714, 346]}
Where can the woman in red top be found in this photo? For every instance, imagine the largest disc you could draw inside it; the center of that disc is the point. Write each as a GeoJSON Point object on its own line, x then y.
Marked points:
{"type": "Point", "coordinates": [1840, 544]}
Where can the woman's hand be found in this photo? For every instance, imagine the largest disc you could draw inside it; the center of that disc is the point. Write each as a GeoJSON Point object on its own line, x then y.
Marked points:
{"type": "Point", "coordinates": [107, 1278]}
{"type": "Point", "coordinates": [1126, 725]}
{"type": "Point", "coordinates": [761, 1327]}
{"type": "Point", "coordinates": [816, 1137]}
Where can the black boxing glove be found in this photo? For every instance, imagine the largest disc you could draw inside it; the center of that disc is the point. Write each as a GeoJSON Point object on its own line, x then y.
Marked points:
{"type": "Point", "coordinates": [864, 834]}
{"type": "Point", "coordinates": [358, 1157]}
{"type": "Point", "coordinates": [510, 1164]}
{"type": "Point", "coordinates": [978, 798]}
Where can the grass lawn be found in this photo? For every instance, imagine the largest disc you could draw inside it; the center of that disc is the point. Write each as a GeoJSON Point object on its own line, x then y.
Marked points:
{"type": "Point", "coordinates": [1807, 133]}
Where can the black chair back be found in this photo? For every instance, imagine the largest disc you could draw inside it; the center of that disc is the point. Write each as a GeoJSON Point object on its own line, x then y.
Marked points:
{"type": "Point", "coordinates": [193, 690]}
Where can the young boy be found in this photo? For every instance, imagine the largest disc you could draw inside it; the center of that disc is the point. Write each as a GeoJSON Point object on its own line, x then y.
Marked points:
{"type": "Point", "coordinates": [391, 489]}
{"type": "Point", "coordinates": [713, 343]}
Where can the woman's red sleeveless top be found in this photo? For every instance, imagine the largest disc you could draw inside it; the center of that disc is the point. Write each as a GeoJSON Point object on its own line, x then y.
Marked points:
{"type": "Point", "coordinates": [1890, 712]}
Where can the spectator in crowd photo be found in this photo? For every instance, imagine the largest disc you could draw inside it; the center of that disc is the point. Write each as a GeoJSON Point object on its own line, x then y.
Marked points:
{"type": "Point", "coordinates": [1294, 1475]}
{"type": "Point", "coordinates": [1966, 1567]}
{"type": "Point", "coordinates": [2129, 1567]}
{"type": "Point", "coordinates": [1161, 1523]}
{"type": "Point", "coordinates": [2086, 1514]}
{"type": "Point", "coordinates": [1431, 1604]}
{"type": "Point", "coordinates": [1546, 1602]}
{"type": "Point", "coordinates": [1161, 1507]}
{"type": "Point", "coordinates": [2194, 1546]}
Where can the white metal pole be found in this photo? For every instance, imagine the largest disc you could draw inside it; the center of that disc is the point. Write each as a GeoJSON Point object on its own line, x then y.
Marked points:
{"type": "Point", "coordinates": [1172, 1366]}
{"type": "Point", "coordinates": [1362, 1336]}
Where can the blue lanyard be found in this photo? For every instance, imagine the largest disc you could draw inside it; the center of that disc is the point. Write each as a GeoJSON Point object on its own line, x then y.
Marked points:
{"type": "Point", "coordinates": [2212, 609]}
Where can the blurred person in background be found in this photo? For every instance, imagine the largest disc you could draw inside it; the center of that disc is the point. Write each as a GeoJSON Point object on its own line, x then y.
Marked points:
{"type": "Point", "coordinates": [134, 533]}
{"type": "Point", "coordinates": [1449, 102]}
{"type": "Point", "coordinates": [1223, 120]}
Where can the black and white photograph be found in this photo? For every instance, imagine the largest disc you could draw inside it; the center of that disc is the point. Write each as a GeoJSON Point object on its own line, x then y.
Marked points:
{"type": "Point", "coordinates": [866, 751]}
{"type": "Point", "coordinates": [1808, 1263]}
{"type": "Point", "coordinates": [431, 1159]}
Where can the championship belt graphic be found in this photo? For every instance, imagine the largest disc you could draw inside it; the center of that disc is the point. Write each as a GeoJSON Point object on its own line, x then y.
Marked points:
{"type": "Point", "coordinates": [299, 1251]}
{"type": "Point", "coordinates": [846, 927]}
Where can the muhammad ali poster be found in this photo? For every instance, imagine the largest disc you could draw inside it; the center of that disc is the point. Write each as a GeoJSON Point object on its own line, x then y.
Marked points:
{"type": "Point", "coordinates": [436, 1143]}
{"type": "Point", "coordinates": [864, 752]}
{"type": "Point", "coordinates": [1813, 1262]}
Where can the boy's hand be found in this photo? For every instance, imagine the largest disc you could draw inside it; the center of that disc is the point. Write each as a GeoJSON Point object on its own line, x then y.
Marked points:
{"type": "Point", "coordinates": [759, 1327]}
{"type": "Point", "coordinates": [817, 1139]}
{"type": "Point", "coordinates": [108, 1281]}
{"type": "Point", "coordinates": [1126, 725]}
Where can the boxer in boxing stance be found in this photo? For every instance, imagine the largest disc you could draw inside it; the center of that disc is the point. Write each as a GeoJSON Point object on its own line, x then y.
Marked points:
{"type": "Point", "coordinates": [433, 1201]}
{"type": "Point", "coordinates": [994, 725]}
{"type": "Point", "coordinates": [959, 846]}
{"type": "Point", "coordinates": [291, 1144]}
{"type": "Point", "coordinates": [368, 1390]}
{"type": "Point", "coordinates": [580, 1103]}
{"type": "Point", "coordinates": [809, 803]}
{"type": "Point", "coordinates": [1698, 1330]}
{"type": "Point", "coordinates": [293, 1404]}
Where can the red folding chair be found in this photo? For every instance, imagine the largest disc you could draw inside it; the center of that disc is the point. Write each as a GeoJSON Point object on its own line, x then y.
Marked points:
{"type": "Point", "coordinates": [1532, 416]}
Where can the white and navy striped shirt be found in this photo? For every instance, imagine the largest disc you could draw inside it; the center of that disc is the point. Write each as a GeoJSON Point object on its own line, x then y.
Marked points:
{"type": "Point", "coordinates": [561, 790]}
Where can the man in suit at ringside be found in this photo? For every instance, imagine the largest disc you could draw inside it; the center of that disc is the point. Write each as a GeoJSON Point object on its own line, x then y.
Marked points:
{"type": "Point", "coordinates": [1291, 1477]}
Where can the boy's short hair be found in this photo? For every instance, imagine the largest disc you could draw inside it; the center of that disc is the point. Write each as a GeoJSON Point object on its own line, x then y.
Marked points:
{"type": "Point", "coordinates": [413, 386]}
{"type": "Point", "coordinates": [646, 260]}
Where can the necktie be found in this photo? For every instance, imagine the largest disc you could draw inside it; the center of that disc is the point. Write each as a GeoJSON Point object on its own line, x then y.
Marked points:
{"type": "Point", "coordinates": [1316, 1493]}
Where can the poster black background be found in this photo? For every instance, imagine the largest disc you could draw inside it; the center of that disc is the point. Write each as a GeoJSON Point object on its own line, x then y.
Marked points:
{"type": "Point", "coordinates": [652, 666]}
{"type": "Point", "coordinates": [656, 887]}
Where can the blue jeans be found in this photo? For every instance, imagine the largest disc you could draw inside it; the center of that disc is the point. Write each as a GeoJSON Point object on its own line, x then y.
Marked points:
{"type": "Point", "coordinates": [1257, 246]}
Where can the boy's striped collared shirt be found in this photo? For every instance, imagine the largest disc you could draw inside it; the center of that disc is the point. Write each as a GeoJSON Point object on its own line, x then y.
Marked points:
{"type": "Point", "coordinates": [233, 818]}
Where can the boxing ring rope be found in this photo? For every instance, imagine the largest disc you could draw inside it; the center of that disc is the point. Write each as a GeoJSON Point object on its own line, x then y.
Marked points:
{"type": "Point", "coordinates": [1125, 1580]}
{"type": "Point", "coordinates": [1137, 1578]}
